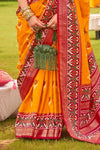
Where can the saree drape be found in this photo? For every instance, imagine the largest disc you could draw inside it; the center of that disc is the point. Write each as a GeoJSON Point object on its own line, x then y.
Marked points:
{"type": "Point", "coordinates": [78, 73]}
{"type": "Point", "coordinates": [40, 114]}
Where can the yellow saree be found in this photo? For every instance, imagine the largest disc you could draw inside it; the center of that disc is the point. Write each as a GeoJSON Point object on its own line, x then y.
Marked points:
{"type": "Point", "coordinates": [71, 94]}
{"type": "Point", "coordinates": [42, 102]}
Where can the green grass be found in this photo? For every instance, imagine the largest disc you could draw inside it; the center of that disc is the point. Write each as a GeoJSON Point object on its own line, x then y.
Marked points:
{"type": "Point", "coordinates": [8, 42]}
{"type": "Point", "coordinates": [96, 46]}
{"type": "Point", "coordinates": [95, 10]}
{"type": "Point", "coordinates": [8, 62]}
{"type": "Point", "coordinates": [65, 143]}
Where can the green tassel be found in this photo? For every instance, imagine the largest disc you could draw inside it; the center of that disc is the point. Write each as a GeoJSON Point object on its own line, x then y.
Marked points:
{"type": "Point", "coordinates": [54, 39]}
{"type": "Point", "coordinates": [38, 36]}
{"type": "Point", "coordinates": [45, 56]}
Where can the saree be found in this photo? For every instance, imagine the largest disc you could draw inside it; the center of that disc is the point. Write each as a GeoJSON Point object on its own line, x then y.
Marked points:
{"type": "Point", "coordinates": [40, 113]}
{"type": "Point", "coordinates": [77, 78]}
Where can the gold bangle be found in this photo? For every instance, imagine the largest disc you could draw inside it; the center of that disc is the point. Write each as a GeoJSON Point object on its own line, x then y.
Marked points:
{"type": "Point", "coordinates": [24, 9]}
{"type": "Point", "coordinates": [27, 14]}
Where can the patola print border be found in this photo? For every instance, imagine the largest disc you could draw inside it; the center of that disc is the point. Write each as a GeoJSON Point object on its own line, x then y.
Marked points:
{"type": "Point", "coordinates": [39, 126]}
{"type": "Point", "coordinates": [73, 67]}
{"type": "Point", "coordinates": [70, 66]}
{"type": "Point", "coordinates": [74, 87]}
{"type": "Point", "coordinates": [52, 120]}
{"type": "Point", "coordinates": [90, 94]}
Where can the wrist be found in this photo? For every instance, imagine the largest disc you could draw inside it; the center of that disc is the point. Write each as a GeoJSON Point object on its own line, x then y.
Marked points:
{"type": "Point", "coordinates": [27, 12]}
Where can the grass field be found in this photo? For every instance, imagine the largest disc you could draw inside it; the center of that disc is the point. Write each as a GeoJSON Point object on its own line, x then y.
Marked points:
{"type": "Point", "coordinates": [8, 42]}
{"type": "Point", "coordinates": [8, 62]}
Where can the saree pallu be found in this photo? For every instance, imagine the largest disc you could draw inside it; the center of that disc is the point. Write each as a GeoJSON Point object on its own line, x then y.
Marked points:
{"type": "Point", "coordinates": [78, 74]}
{"type": "Point", "coordinates": [39, 115]}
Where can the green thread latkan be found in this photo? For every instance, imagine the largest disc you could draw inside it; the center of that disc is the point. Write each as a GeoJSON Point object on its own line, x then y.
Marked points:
{"type": "Point", "coordinates": [45, 56]}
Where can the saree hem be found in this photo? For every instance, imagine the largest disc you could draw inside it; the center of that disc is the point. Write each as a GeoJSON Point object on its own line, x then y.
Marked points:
{"type": "Point", "coordinates": [35, 126]}
{"type": "Point", "coordinates": [39, 133]}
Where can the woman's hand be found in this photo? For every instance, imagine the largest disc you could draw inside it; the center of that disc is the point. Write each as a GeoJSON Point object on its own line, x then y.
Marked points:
{"type": "Point", "coordinates": [53, 22]}
{"type": "Point", "coordinates": [35, 22]}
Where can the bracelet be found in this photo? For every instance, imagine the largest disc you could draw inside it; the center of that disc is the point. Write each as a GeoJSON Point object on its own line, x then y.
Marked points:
{"type": "Point", "coordinates": [27, 13]}
{"type": "Point", "coordinates": [24, 9]}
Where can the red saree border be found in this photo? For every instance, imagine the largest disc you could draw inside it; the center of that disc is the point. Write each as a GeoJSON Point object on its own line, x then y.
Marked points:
{"type": "Point", "coordinates": [28, 72]}
{"type": "Point", "coordinates": [82, 124]}
{"type": "Point", "coordinates": [69, 66]}
{"type": "Point", "coordinates": [36, 120]}
{"type": "Point", "coordinates": [62, 45]}
{"type": "Point", "coordinates": [39, 134]}
{"type": "Point", "coordinates": [93, 66]}
{"type": "Point", "coordinates": [39, 126]}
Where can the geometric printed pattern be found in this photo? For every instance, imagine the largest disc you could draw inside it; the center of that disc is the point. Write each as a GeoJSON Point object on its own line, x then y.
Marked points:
{"type": "Point", "coordinates": [39, 126]}
{"type": "Point", "coordinates": [73, 64]}
{"type": "Point", "coordinates": [80, 103]}
{"type": "Point", "coordinates": [43, 121]}
{"type": "Point", "coordinates": [92, 63]}
{"type": "Point", "coordinates": [88, 93]}
{"type": "Point", "coordinates": [91, 93]}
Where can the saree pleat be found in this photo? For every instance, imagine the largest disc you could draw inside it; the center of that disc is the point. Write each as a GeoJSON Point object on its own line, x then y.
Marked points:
{"type": "Point", "coordinates": [39, 115]}
{"type": "Point", "coordinates": [40, 111]}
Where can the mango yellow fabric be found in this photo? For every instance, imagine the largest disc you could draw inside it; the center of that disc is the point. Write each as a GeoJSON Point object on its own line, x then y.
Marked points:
{"type": "Point", "coordinates": [38, 95]}
{"type": "Point", "coordinates": [24, 33]}
{"type": "Point", "coordinates": [83, 9]}
{"type": "Point", "coordinates": [43, 96]}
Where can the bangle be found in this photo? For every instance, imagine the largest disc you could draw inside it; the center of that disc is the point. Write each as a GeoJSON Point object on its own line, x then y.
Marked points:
{"type": "Point", "coordinates": [27, 13]}
{"type": "Point", "coordinates": [24, 9]}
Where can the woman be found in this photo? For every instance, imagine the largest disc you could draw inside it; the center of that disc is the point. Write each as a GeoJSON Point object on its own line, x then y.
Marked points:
{"type": "Point", "coordinates": [70, 95]}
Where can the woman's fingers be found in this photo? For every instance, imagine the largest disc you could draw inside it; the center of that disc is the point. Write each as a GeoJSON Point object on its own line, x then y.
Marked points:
{"type": "Point", "coordinates": [40, 24]}
{"type": "Point", "coordinates": [50, 23]}
{"type": "Point", "coordinates": [53, 21]}
{"type": "Point", "coordinates": [34, 21]}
